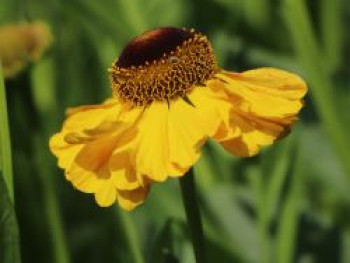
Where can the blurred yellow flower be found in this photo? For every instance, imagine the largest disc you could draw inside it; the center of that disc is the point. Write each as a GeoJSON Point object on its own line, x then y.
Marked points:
{"type": "Point", "coordinates": [169, 98]}
{"type": "Point", "coordinates": [22, 43]}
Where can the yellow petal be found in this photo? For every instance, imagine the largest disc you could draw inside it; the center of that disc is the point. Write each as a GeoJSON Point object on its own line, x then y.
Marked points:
{"type": "Point", "coordinates": [64, 152]}
{"type": "Point", "coordinates": [95, 149]}
{"type": "Point", "coordinates": [224, 105]}
{"type": "Point", "coordinates": [265, 92]}
{"type": "Point", "coordinates": [96, 153]}
{"type": "Point", "coordinates": [79, 128]}
{"type": "Point", "coordinates": [151, 143]}
{"type": "Point", "coordinates": [123, 175]}
{"type": "Point", "coordinates": [128, 200]}
{"type": "Point", "coordinates": [97, 157]}
{"type": "Point", "coordinates": [189, 126]}
{"type": "Point", "coordinates": [169, 137]}
{"type": "Point", "coordinates": [91, 116]}
{"type": "Point", "coordinates": [107, 195]}
{"type": "Point", "coordinates": [253, 133]}
{"type": "Point", "coordinates": [265, 103]}
{"type": "Point", "coordinates": [84, 180]}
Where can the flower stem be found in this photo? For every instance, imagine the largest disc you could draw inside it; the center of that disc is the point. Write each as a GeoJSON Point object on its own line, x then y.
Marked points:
{"type": "Point", "coordinates": [5, 142]}
{"type": "Point", "coordinates": [188, 191]}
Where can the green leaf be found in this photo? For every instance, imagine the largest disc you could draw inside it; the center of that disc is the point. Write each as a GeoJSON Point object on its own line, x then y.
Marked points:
{"type": "Point", "coordinates": [5, 141]}
{"type": "Point", "coordinates": [162, 251]}
{"type": "Point", "coordinates": [278, 174]}
{"type": "Point", "coordinates": [9, 236]}
{"type": "Point", "coordinates": [287, 232]}
{"type": "Point", "coordinates": [332, 32]}
{"type": "Point", "coordinates": [231, 223]}
{"type": "Point", "coordinates": [309, 52]}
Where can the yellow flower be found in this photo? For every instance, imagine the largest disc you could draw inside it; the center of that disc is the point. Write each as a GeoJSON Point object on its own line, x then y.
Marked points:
{"type": "Point", "coordinates": [22, 43]}
{"type": "Point", "coordinates": [169, 98]}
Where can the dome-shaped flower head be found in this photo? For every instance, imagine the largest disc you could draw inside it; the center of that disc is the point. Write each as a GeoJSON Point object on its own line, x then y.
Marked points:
{"type": "Point", "coordinates": [169, 97]}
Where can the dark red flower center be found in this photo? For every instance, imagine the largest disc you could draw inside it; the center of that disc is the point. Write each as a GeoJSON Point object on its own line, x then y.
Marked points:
{"type": "Point", "coordinates": [152, 45]}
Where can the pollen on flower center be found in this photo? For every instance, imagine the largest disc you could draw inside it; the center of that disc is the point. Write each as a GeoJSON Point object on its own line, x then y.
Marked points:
{"type": "Point", "coordinates": [162, 64]}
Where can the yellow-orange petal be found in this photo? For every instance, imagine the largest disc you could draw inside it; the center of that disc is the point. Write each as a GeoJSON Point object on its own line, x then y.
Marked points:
{"type": "Point", "coordinates": [189, 126]}
{"type": "Point", "coordinates": [265, 92]}
{"type": "Point", "coordinates": [253, 133]}
{"type": "Point", "coordinates": [84, 180]}
{"type": "Point", "coordinates": [81, 125]}
{"type": "Point", "coordinates": [106, 195]}
{"type": "Point", "coordinates": [96, 154]}
{"type": "Point", "coordinates": [151, 142]}
{"type": "Point", "coordinates": [97, 159]}
{"type": "Point", "coordinates": [65, 153]}
{"type": "Point", "coordinates": [128, 200]}
{"type": "Point", "coordinates": [265, 103]}
{"type": "Point", "coordinates": [169, 137]}
{"type": "Point", "coordinates": [92, 116]}
{"type": "Point", "coordinates": [92, 149]}
{"type": "Point", "coordinates": [123, 175]}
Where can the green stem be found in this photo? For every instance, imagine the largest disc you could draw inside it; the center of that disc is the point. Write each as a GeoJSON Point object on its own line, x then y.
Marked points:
{"type": "Point", "coordinates": [332, 30]}
{"type": "Point", "coordinates": [130, 235]}
{"type": "Point", "coordinates": [257, 183]}
{"type": "Point", "coordinates": [190, 202]}
{"type": "Point", "coordinates": [5, 141]}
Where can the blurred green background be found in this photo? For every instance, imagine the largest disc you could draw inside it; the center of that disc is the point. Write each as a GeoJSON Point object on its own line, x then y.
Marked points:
{"type": "Point", "coordinates": [291, 203]}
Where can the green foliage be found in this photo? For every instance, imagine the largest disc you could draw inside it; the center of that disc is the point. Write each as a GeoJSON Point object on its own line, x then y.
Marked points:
{"type": "Point", "coordinates": [9, 236]}
{"type": "Point", "coordinates": [289, 204]}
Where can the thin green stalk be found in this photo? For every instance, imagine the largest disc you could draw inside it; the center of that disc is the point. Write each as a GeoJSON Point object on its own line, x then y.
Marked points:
{"type": "Point", "coordinates": [288, 219]}
{"type": "Point", "coordinates": [263, 227]}
{"type": "Point", "coordinates": [332, 29]}
{"type": "Point", "coordinates": [263, 217]}
{"type": "Point", "coordinates": [5, 141]}
{"type": "Point", "coordinates": [130, 235]}
{"type": "Point", "coordinates": [190, 202]}
{"type": "Point", "coordinates": [318, 75]}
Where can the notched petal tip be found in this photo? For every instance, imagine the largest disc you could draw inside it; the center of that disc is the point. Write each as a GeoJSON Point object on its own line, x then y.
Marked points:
{"type": "Point", "coordinates": [106, 197]}
{"type": "Point", "coordinates": [129, 200]}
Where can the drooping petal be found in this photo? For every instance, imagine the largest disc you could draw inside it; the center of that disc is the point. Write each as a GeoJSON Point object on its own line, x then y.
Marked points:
{"type": "Point", "coordinates": [63, 151]}
{"type": "Point", "coordinates": [76, 129]}
{"type": "Point", "coordinates": [265, 104]}
{"type": "Point", "coordinates": [151, 142]}
{"type": "Point", "coordinates": [106, 195]}
{"type": "Point", "coordinates": [123, 175]}
{"type": "Point", "coordinates": [189, 126]}
{"type": "Point", "coordinates": [265, 92]}
{"type": "Point", "coordinates": [224, 105]}
{"type": "Point", "coordinates": [128, 200]}
{"type": "Point", "coordinates": [92, 149]}
{"type": "Point", "coordinates": [92, 116]}
{"type": "Point", "coordinates": [170, 136]}
{"type": "Point", "coordinates": [252, 134]}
